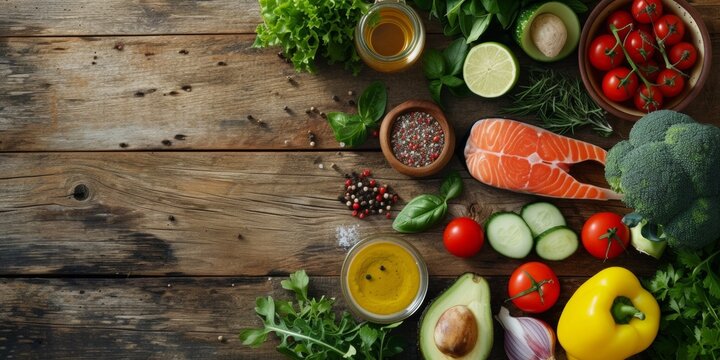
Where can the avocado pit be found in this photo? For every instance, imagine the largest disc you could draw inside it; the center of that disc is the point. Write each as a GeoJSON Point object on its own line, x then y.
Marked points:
{"type": "Point", "coordinates": [549, 34]}
{"type": "Point", "coordinates": [456, 331]}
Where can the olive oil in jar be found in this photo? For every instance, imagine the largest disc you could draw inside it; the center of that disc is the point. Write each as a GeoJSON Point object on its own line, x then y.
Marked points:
{"type": "Point", "coordinates": [390, 37]}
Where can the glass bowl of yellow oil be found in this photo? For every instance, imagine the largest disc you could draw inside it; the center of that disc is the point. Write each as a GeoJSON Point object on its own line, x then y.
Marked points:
{"type": "Point", "coordinates": [390, 37]}
{"type": "Point", "coordinates": [384, 279]}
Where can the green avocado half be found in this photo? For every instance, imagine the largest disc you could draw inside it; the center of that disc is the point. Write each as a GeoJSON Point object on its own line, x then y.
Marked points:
{"type": "Point", "coordinates": [458, 323]}
{"type": "Point", "coordinates": [523, 29]}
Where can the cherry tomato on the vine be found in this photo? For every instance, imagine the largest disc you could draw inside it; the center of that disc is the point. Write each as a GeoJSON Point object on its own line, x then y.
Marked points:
{"type": "Point", "coordinates": [647, 11]}
{"type": "Point", "coordinates": [605, 236]}
{"type": "Point", "coordinates": [463, 237]}
{"type": "Point", "coordinates": [640, 46]}
{"type": "Point", "coordinates": [619, 84]}
{"type": "Point", "coordinates": [670, 82]}
{"type": "Point", "coordinates": [648, 99]}
{"type": "Point", "coordinates": [534, 287]}
{"type": "Point", "coordinates": [670, 29]}
{"type": "Point", "coordinates": [683, 55]}
{"type": "Point", "coordinates": [605, 53]}
{"type": "Point", "coordinates": [622, 20]}
{"type": "Point", "coordinates": [650, 70]}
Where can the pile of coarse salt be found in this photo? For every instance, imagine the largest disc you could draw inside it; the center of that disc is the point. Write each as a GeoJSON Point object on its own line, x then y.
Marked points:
{"type": "Point", "coordinates": [347, 236]}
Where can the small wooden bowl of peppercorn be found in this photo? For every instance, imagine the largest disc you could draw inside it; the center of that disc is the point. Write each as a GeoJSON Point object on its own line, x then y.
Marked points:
{"type": "Point", "coordinates": [416, 138]}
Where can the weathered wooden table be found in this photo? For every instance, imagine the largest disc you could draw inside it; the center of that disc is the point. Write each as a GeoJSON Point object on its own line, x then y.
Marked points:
{"type": "Point", "coordinates": [141, 213]}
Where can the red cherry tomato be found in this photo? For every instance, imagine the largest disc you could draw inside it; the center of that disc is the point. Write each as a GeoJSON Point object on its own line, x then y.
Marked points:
{"type": "Point", "coordinates": [647, 11]}
{"type": "Point", "coordinates": [648, 99]}
{"type": "Point", "coordinates": [670, 82]}
{"type": "Point", "coordinates": [670, 29]}
{"type": "Point", "coordinates": [640, 46]}
{"type": "Point", "coordinates": [605, 236]}
{"type": "Point", "coordinates": [605, 53]}
{"type": "Point", "coordinates": [683, 55]}
{"type": "Point", "coordinates": [534, 287]}
{"type": "Point", "coordinates": [622, 20]}
{"type": "Point", "coordinates": [463, 237]}
{"type": "Point", "coordinates": [649, 70]}
{"type": "Point", "coordinates": [619, 84]}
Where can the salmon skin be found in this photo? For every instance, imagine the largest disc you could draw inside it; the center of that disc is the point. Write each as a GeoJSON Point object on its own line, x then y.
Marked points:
{"type": "Point", "coordinates": [512, 155]}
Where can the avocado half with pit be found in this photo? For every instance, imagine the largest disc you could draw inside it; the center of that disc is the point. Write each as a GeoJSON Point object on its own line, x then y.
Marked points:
{"type": "Point", "coordinates": [458, 323]}
{"type": "Point", "coordinates": [548, 32]}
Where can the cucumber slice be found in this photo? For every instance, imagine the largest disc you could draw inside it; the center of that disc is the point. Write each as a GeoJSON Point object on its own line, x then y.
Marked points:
{"type": "Point", "coordinates": [509, 235]}
{"type": "Point", "coordinates": [557, 243]}
{"type": "Point", "coordinates": [542, 216]}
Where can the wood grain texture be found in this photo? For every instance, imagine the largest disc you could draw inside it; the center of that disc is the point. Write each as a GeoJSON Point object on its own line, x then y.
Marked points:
{"type": "Point", "coordinates": [70, 94]}
{"type": "Point", "coordinates": [228, 214]}
{"type": "Point", "coordinates": [178, 318]}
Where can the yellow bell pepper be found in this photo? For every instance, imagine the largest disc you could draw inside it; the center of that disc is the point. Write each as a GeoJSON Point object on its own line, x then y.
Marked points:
{"type": "Point", "coordinates": [609, 317]}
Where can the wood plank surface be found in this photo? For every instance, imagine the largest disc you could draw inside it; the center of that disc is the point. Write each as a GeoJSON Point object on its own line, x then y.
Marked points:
{"type": "Point", "coordinates": [69, 94]}
{"type": "Point", "coordinates": [178, 318]}
{"type": "Point", "coordinates": [227, 214]}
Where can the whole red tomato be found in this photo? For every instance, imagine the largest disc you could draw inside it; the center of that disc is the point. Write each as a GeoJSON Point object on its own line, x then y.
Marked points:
{"type": "Point", "coordinates": [463, 237]}
{"type": "Point", "coordinates": [622, 20]}
{"type": "Point", "coordinates": [640, 46]}
{"type": "Point", "coordinates": [605, 53]}
{"type": "Point", "coordinates": [534, 287]}
{"type": "Point", "coordinates": [670, 82]}
{"type": "Point", "coordinates": [683, 55]}
{"type": "Point", "coordinates": [670, 29]}
{"type": "Point", "coordinates": [647, 11]}
{"type": "Point", "coordinates": [619, 84]}
{"type": "Point", "coordinates": [648, 99]}
{"type": "Point", "coordinates": [605, 236]}
{"type": "Point", "coordinates": [650, 70]}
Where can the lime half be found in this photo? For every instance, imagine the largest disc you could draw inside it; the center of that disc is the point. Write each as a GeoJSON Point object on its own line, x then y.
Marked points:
{"type": "Point", "coordinates": [490, 69]}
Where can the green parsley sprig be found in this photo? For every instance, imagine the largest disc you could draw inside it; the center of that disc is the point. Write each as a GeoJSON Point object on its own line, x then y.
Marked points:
{"type": "Point", "coordinates": [688, 290]}
{"type": "Point", "coordinates": [309, 329]}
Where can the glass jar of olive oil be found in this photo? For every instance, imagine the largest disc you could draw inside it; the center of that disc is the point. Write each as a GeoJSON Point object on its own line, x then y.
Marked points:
{"type": "Point", "coordinates": [390, 37]}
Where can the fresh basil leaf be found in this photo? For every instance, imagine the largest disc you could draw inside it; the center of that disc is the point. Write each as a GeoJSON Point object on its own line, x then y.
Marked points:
{"type": "Point", "coordinates": [452, 186]}
{"type": "Point", "coordinates": [453, 10]}
{"type": "Point", "coordinates": [476, 8]}
{"type": "Point", "coordinates": [372, 102]}
{"type": "Point", "coordinates": [435, 90]}
{"type": "Point", "coordinates": [453, 30]}
{"type": "Point", "coordinates": [452, 81]}
{"type": "Point", "coordinates": [492, 5]}
{"type": "Point", "coordinates": [424, 4]}
{"type": "Point", "coordinates": [465, 22]}
{"type": "Point", "coordinates": [348, 129]}
{"type": "Point", "coordinates": [455, 55]}
{"type": "Point", "coordinates": [576, 5]}
{"type": "Point", "coordinates": [479, 26]}
{"type": "Point", "coordinates": [420, 214]}
{"type": "Point", "coordinates": [460, 91]}
{"type": "Point", "coordinates": [433, 64]}
{"type": "Point", "coordinates": [508, 11]}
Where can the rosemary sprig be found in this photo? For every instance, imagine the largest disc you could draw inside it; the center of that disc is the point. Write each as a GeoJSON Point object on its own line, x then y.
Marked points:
{"type": "Point", "coordinates": [560, 102]}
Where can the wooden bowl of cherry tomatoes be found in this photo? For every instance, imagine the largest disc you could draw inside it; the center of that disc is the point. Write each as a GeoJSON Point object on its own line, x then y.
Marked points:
{"type": "Point", "coordinates": [638, 56]}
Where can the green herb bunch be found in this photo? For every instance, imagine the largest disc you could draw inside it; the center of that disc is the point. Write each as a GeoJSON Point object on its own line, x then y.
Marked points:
{"type": "Point", "coordinates": [424, 211]}
{"type": "Point", "coordinates": [688, 290]}
{"type": "Point", "coordinates": [309, 329]}
{"type": "Point", "coordinates": [306, 28]}
{"type": "Point", "coordinates": [471, 18]}
{"type": "Point", "coordinates": [352, 129]}
{"type": "Point", "coordinates": [443, 69]}
{"type": "Point", "coordinates": [560, 102]}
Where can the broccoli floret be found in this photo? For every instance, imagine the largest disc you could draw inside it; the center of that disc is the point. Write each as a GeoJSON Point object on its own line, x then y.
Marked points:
{"type": "Point", "coordinates": [695, 227]}
{"type": "Point", "coordinates": [694, 147]}
{"type": "Point", "coordinates": [669, 172]}
{"type": "Point", "coordinates": [653, 126]}
{"type": "Point", "coordinates": [647, 186]}
{"type": "Point", "coordinates": [612, 163]}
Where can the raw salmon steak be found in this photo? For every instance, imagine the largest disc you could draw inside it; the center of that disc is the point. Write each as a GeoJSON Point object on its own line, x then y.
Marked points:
{"type": "Point", "coordinates": [516, 156]}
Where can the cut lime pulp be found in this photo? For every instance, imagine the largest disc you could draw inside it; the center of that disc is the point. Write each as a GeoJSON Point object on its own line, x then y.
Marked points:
{"type": "Point", "coordinates": [490, 70]}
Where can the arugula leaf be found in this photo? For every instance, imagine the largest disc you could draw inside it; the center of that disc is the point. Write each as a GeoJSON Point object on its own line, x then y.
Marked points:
{"type": "Point", "coordinates": [311, 330]}
{"type": "Point", "coordinates": [372, 102]}
{"type": "Point", "coordinates": [424, 211]}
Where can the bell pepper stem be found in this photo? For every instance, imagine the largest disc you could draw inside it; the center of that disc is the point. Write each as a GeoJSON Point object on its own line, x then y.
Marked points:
{"type": "Point", "coordinates": [623, 310]}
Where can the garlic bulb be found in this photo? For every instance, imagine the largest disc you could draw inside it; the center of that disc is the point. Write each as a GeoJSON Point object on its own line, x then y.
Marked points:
{"type": "Point", "coordinates": [527, 338]}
